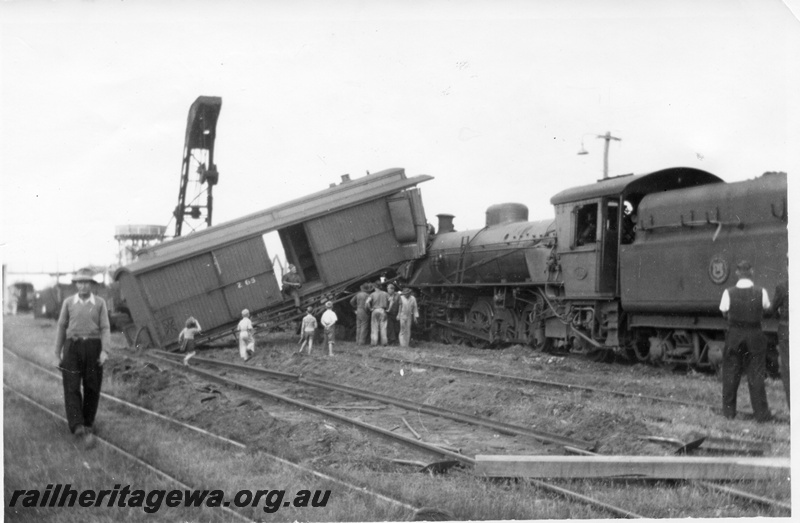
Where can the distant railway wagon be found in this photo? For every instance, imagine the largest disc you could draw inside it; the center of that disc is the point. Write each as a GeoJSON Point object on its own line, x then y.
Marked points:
{"type": "Point", "coordinates": [23, 293]}
{"type": "Point", "coordinates": [337, 238]}
{"type": "Point", "coordinates": [47, 302]}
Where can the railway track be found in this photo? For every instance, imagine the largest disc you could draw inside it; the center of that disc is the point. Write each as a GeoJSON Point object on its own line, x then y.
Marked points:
{"type": "Point", "coordinates": [746, 496]}
{"type": "Point", "coordinates": [576, 387]}
{"type": "Point", "coordinates": [507, 428]}
{"type": "Point", "coordinates": [544, 486]}
{"type": "Point", "coordinates": [549, 383]}
{"type": "Point", "coordinates": [135, 459]}
{"type": "Point", "coordinates": [156, 415]}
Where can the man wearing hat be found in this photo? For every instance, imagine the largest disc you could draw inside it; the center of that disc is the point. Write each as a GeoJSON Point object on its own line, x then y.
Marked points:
{"type": "Point", "coordinates": [378, 302]}
{"type": "Point", "coordinates": [744, 306]}
{"type": "Point", "coordinates": [328, 321]}
{"type": "Point", "coordinates": [359, 303]}
{"type": "Point", "coordinates": [408, 313]}
{"type": "Point", "coordinates": [291, 284]}
{"type": "Point", "coordinates": [83, 337]}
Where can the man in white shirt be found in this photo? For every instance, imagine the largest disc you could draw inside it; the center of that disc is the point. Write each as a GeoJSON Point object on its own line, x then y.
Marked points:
{"type": "Point", "coordinates": [744, 306]}
{"type": "Point", "coordinates": [328, 322]}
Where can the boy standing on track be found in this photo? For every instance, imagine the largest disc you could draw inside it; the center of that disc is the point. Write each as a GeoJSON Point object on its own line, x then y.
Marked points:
{"type": "Point", "coordinates": [328, 321]}
{"type": "Point", "coordinates": [247, 343]}
{"type": "Point", "coordinates": [307, 330]}
{"type": "Point", "coordinates": [83, 337]}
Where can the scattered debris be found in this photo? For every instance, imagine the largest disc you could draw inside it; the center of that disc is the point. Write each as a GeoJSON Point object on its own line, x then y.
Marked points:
{"type": "Point", "coordinates": [414, 432]}
{"type": "Point", "coordinates": [440, 467]}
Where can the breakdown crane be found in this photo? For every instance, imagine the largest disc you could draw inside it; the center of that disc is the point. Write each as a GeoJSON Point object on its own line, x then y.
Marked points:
{"type": "Point", "coordinates": [198, 171]}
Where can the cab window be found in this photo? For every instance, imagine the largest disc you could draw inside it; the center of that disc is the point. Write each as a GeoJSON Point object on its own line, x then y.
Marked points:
{"type": "Point", "coordinates": [586, 224]}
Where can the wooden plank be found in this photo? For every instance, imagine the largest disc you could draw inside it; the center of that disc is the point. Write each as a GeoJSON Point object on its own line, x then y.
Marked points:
{"type": "Point", "coordinates": [656, 467]}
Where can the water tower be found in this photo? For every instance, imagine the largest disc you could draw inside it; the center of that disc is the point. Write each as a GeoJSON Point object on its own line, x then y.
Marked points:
{"type": "Point", "coordinates": [132, 238]}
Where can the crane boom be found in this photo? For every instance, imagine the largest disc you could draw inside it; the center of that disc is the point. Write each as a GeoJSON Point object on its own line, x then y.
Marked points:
{"type": "Point", "coordinates": [198, 149]}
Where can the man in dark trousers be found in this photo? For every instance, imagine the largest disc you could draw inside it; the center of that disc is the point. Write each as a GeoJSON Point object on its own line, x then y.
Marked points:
{"type": "Point", "coordinates": [359, 303]}
{"type": "Point", "coordinates": [745, 343]}
{"type": "Point", "coordinates": [291, 285]}
{"type": "Point", "coordinates": [82, 340]}
{"type": "Point", "coordinates": [781, 309]}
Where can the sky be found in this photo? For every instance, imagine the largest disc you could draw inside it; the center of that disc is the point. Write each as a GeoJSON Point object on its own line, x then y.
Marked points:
{"type": "Point", "coordinates": [494, 99]}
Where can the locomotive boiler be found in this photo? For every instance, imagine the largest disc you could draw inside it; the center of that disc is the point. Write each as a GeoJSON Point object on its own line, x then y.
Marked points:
{"type": "Point", "coordinates": [632, 265]}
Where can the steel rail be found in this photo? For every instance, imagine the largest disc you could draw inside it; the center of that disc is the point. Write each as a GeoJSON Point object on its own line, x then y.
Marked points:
{"type": "Point", "coordinates": [413, 406]}
{"type": "Point", "coordinates": [745, 495]}
{"type": "Point", "coordinates": [543, 485]}
{"type": "Point", "coordinates": [123, 452]}
{"type": "Point", "coordinates": [580, 387]}
{"type": "Point", "coordinates": [549, 383]}
{"type": "Point", "coordinates": [307, 406]}
{"type": "Point", "coordinates": [315, 473]}
{"type": "Point", "coordinates": [392, 436]}
{"type": "Point", "coordinates": [570, 494]}
{"type": "Point", "coordinates": [133, 405]}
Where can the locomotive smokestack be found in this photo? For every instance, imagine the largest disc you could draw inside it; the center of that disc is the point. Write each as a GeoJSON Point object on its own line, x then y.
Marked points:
{"type": "Point", "coordinates": [445, 223]}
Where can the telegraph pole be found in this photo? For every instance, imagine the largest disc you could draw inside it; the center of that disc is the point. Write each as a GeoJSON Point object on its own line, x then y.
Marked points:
{"type": "Point", "coordinates": [607, 137]}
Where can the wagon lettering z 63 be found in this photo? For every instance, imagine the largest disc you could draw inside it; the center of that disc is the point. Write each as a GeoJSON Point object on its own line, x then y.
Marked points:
{"type": "Point", "coordinates": [248, 281]}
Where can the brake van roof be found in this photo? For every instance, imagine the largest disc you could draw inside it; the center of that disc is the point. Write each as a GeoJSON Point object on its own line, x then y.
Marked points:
{"type": "Point", "coordinates": [348, 193]}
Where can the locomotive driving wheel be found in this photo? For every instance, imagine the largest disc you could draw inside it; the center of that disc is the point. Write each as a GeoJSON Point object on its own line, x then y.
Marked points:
{"type": "Point", "coordinates": [531, 325]}
{"type": "Point", "coordinates": [504, 326]}
{"type": "Point", "coordinates": [480, 316]}
{"type": "Point", "coordinates": [452, 337]}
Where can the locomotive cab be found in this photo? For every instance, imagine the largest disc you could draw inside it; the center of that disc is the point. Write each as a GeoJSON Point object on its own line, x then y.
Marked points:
{"type": "Point", "coordinates": [594, 220]}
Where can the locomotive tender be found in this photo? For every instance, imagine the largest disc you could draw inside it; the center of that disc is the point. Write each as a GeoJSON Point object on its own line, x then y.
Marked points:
{"type": "Point", "coordinates": [633, 265]}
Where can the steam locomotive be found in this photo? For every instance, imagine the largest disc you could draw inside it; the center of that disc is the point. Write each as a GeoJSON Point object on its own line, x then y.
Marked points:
{"type": "Point", "coordinates": [631, 266]}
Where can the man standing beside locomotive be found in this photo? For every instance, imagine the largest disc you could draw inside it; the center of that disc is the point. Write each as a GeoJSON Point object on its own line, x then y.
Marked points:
{"type": "Point", "coordinates": [392, 323]}
{"type": "Point", "coordinates": [359, 303]}
{"type": "Point", "coordinates": [408, 313]}
{"type": "Point", "coordinates": [83, 336]}
{"type": "Point", "coordinates": [744, 306]}
{"type": "Point", "coordinates": [378, 302]}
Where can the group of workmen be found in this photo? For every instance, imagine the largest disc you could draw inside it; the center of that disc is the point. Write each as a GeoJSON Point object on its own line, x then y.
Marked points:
{"type": "Point", "coordinates": [384, 317]}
